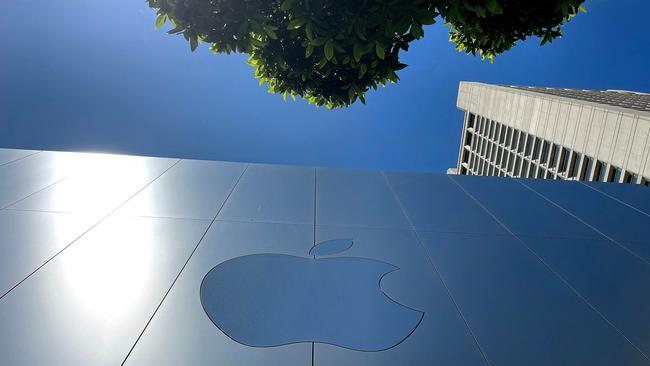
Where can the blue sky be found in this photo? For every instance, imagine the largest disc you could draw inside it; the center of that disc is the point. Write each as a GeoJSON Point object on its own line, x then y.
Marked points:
{"type": "Point", "coordinates": [96, 76]}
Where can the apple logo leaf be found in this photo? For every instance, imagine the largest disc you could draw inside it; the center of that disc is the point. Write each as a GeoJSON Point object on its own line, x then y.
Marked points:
{"type": "Point", "coordinates": [272, 299]}
{"type": "Point", "coordinates": [330, 247]}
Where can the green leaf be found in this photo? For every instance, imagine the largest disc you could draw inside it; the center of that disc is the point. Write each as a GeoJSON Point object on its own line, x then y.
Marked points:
{"type": "Point", "coordinates": [379, 49]}
{"type": "Point", "coordinates": [362, 70]}
{"type": "Point", "coordinates": [322, 63]}
{"type": "Point", "coordinates": [256, 42]}
{"type": "Point", "coordinates": [329, 49]}
{"type": "Point", "coordinates": [416, 30]}
{"type": "Point", "coordinates": [309, 32]}
{"type": "Point", "coordinates": [176, 30]}
{"type": "Point", "coordinates": [582, 8]}
{"type": "Point", "coordinates": [309, 51]}
{"type": "Point", "coordinates": [286, 5]}
{"type": "Point", "coordinates": [160, 20]}
{"type": "Point", "coordinates": [318, 41]}
{"type": "Point", "coordinates": [270, 32]}
{"type": "Point", "coordinates": [356, 51]}
{"type": "Point", "coordinates": [295, 24]}
{"type": "Point", "coordinates": [493, 7]}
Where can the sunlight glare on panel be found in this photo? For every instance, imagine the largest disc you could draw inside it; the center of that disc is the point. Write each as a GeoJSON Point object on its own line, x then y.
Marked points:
{"type": "Point", "coordinates": [108, 273]}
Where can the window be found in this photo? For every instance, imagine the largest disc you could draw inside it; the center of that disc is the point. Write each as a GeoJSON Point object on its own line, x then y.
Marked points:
{"type": "Point", "coordinates": [645, 182]}
{"type": "Point", "coordinates": [504, 159]}
{"type": "Point", "coordinates": [549, 174]}
{"type": "Point", "coordinates": [463, 171]}
{"type": "Point", "coordinates": [555, 156]}
{"type": "Point", "coordinates": [533, 169]}
{"type": "Point", "coordinates": [536, 149]}
{"type": "Point", "coordinates": [517, 165]}
{"type": "Point", "coordinates": [587, 167]}
{"type": "Point", "coordinates": [545, 148]}
{"type": "Point", "coordinates": [524, 168]}
{"type": "Point", "coordinates": [508, 136]}
{"type": "Point", "coordinates": [498, 159]}
{"type": "Point", "coordinates": [502, 134]}
{"type": "Point", "coordinates": [510, 162]}
{"type": "Point", "coordinates": [515, 139]}
{"type": "Point", "coordinates": [564, 160]}
{"type": "Point", "coordinates": [599, 171]}
{"type": "Point", "coordinates": [522, 142]}
{"type": "Point", "coordinates": [573, 166]}
{"type": "Point", "coordinates": [470, 121]}
{"type": "Point", "coordinates": [629, 178]}
{"type": "Point", "coordinates": [468, 139]}
{"type": "Point", "coordinates": [614, 174]}
{"type": "Point", "coordinates": [491, 131]}
{"type": "Point", "coordinates": [529, 144]}
{"type": "Point", "coordinates": [540, 173]}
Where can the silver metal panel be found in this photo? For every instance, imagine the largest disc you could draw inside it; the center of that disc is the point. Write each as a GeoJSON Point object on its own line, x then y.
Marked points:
{"type": "Point", "coordinates": [89, 304]}
{"type": "Point", "coordinates": [9, 155]}
{"type": "Point", "coordinates": [29, 239]}
{"type": "Point", "coordinates": [434, 203]}
{"type": "Point", "coordinates": [635, 195]}
{"type": "Point", "coordinates": [523, 211]}
{"type": "Point", "coordinates": [441, 338]}
{"type": "Point", "coordinates": [521, 313]}
{"type": "Point", "coordinates": [23, 177]}
{"type": "Point", "coordinates": [614, 219]}
{"type": "Point", "coordinates": [595, 269]}
{"type": "Point", "coordinates": [192, 189]}
{"type": "Point", "coordinates": [356, 198]}
{"type": "Point", "coordinates": [181, 333]}
{"type": "Point", "coordinates": [98, 184]}
{"type": "Point", "coordinates": [267, 193]}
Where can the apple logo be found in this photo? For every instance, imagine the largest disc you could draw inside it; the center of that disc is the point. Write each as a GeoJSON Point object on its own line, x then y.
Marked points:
{"type": "Point", "coordinates": [267, 300]}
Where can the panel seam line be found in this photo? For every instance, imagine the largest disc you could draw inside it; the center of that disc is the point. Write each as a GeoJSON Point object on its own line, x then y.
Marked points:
{"type": "Point", "coordinates": [552, 270]}
{"type": "Point", "coordinates": [616, 199]}
{"type": "Point", "coordinates": [85, 232]}
{"type": "Point", "coordinates": [437, 272]}
{"type": "Point", "coordinates": [626, 249]}
{"type": "Point", "coordinates": [185, 264]}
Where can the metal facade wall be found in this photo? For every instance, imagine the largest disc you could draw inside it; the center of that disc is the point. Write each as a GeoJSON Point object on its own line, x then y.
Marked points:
{"type": "Point", "coordinates": [103, 260]}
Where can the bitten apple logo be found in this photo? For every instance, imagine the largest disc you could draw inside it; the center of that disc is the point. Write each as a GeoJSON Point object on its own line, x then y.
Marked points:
{"type": "Point", "coordinates": [267, 300]}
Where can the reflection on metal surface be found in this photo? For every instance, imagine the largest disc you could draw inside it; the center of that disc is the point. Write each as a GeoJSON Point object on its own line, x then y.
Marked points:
{"type": "Point", "coordinates": [96, 183]}
{"type": "Point", "coordinates": [106, 279]}
{"type": "Point", "coordinates": [266, 300]}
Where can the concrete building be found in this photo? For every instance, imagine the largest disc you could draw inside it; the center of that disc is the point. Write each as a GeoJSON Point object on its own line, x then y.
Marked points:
{"type": "Point", "coordinates": [128, 260]}
{"type": "Point", "coordinates": [554, 133]}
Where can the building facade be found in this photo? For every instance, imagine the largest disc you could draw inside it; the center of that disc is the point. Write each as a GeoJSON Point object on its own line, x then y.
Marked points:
{"type": "Point", "coordinates": [551, 133]}
{"type": "Point", "coordinates": [143, 261]}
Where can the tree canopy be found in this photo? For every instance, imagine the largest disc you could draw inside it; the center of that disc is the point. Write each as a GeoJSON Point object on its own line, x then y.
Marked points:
{"type": "Point", "coordinates": [331, 52]}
